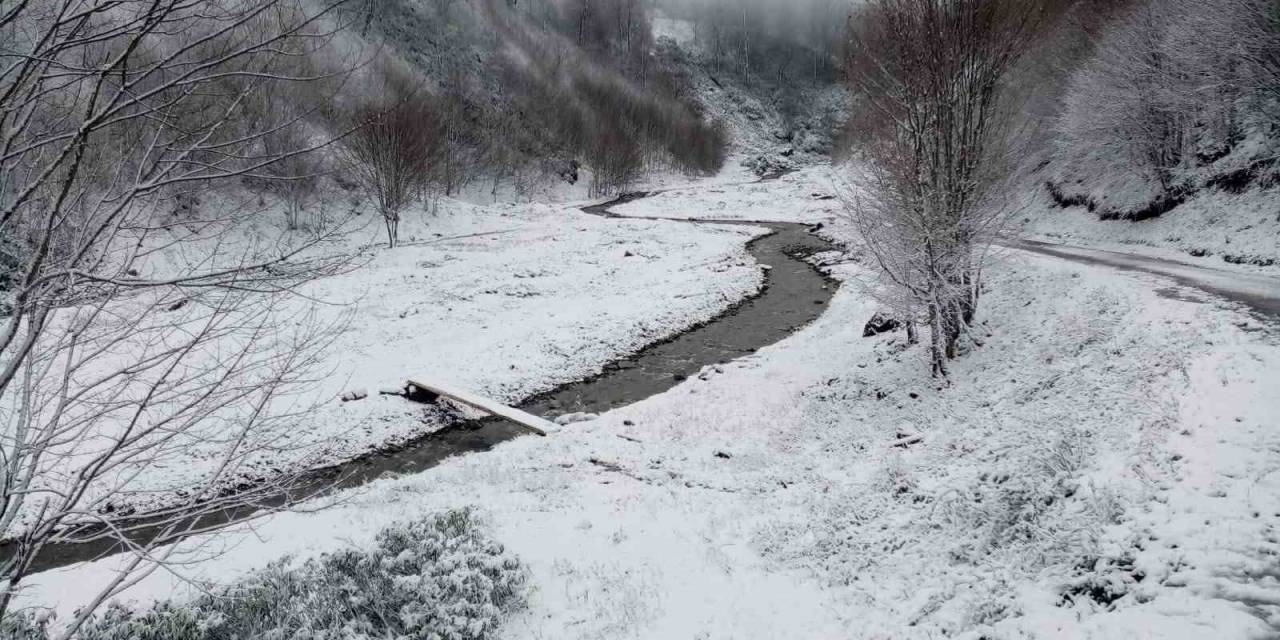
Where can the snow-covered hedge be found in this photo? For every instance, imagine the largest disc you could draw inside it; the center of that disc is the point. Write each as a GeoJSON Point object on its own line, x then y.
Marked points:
{"type": "Point", "coordinates": [440, 578]}
{"type": "Point", "coordinates": [1162, 110]}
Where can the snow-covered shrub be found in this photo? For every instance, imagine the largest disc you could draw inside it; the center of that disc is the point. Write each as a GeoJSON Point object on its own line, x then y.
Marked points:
{"type": "Point", "coordinates": [766, 164]}
{"type": "Point", "coordinates": [896, 477]}
{"type": "Point", "coordinates": [440, 578]}
{"type": "Point", "coordinates": [1032, 507]}
{"type": "Point", "coordinates": [1178, 95]}
{"type": "Point", "coordinates": [24, 625]}
{"type": "Point", "coordinates": [1102, 579]}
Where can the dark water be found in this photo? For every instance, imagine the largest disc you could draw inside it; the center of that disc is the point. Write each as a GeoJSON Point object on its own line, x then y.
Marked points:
{"type": "Point", "coordinates": [794, 294]}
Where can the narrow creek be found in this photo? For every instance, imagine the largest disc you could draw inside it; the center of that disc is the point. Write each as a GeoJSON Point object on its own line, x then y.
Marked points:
{"type": "Point", "coordinates": [794, 294]}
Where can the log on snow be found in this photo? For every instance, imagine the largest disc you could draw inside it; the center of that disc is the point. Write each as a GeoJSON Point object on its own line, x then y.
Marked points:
{"type": "Point", "coordinates": [907, 440]}
{"type": "Point", "coordinates": [527, 420]}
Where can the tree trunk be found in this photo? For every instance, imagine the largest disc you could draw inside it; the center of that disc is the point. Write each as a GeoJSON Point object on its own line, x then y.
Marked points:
{"type": "Point", "coordinates": [936, 356]}
{"type": "Point", "coordinates": [951, 326]}
{"type": "Point", "coordinates": [393, 228]}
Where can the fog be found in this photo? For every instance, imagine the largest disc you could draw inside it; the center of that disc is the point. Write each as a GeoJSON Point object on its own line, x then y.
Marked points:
{"type": "Point", "coordinates": [815, 23]}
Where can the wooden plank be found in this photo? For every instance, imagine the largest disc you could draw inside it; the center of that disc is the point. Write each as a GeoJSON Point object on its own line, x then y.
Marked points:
{"type": "Point", "coordinates": [528, 420]}
{"type": "Point", "coordinates": [906, 440]}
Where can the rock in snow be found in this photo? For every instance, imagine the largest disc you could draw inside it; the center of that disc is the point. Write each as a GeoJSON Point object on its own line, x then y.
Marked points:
{"type": "Point", "coordinates": [570, 418]}
{"type": "Point", "coordinates": [354, 394]}
{"type": "Point", "coordinates": [879, 323]}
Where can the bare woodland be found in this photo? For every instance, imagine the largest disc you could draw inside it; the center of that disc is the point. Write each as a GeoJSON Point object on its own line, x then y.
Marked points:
{"type": "Point", "coordinates": [1168, 89]}
{"type": "Point", "coordinates": [117, 115]}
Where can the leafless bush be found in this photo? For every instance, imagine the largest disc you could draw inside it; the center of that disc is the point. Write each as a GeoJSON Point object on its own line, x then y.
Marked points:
{"type": "Point", "coordinates": [1120, 111]}
{"type": "Point", "coordinates": [617, 161]}
{"type": "Point", "coordinates": [391, 149]}
{"type": "Point", "coordinates": [460, 148]}
{"type": "Point", "coordinates": [933, 147]}
{"type": "Point", "coordinates": [133, 342]}
{"type": "Point", "coordinates": [294, 178]}
{"type": "Point", "coordinates": [291, 114]}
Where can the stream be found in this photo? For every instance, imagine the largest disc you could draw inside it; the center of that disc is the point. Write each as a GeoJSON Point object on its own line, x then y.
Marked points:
{"type": "Point", "coordinates": [794, 294]}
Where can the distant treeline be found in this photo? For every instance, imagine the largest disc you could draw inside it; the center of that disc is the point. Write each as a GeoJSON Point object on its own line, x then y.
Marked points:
{"type": "Point", "coordinates": [529, 89]}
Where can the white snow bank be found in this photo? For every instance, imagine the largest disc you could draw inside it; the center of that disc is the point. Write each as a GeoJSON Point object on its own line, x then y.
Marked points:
{"type": "Point", "coordinates": [806, 195]}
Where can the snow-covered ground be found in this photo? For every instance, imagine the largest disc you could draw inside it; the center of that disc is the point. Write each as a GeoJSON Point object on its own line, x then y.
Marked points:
{"type": "Point", "coordinates": [1107, 465]}
{"type": "Point", "coordinates": [805, 195]}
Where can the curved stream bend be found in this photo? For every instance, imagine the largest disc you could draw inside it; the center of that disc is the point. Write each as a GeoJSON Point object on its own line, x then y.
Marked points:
{"type": "Point", "coordinates": [794, 294]}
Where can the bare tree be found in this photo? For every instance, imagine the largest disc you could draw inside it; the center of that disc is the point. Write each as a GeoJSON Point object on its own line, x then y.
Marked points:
{"type": "Point", "coordinates": [454, 147]}
{"type": "Point", "coordinates": [138, 336]}
{"type": "Point", "coordinates": [391, 149]}
{"type": "Point", "coordinates": [299, 110]}
{"type": "Point", "coordinates": [933, 142]}
{"type": "Point", "coordinates": [1120, 110]}
{"type": "Point", "coordinates": [1169, 86]}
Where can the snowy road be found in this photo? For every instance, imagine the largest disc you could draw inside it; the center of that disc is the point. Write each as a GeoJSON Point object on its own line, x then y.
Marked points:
{"type": "Point", "coordinates": [1261, 293]}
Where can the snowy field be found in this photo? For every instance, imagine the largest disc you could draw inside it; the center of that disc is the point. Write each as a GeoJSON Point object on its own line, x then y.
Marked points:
{"type": "Point", "coordinates": [505, 300]}
{"type": "Point", "coordinates": [1104, 466]}
{"type": "Point", "coordinates": [805, 195]}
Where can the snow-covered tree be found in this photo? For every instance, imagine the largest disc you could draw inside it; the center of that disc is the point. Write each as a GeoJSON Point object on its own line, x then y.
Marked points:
{"type": "Point", "coordinates": [1121, 111]}
{"type": "Point", "coordinates": [1170, 86]}
{"type": "Point", "coordinates": [932, 146]}
{"type": "Point", "coordinates": [132, 335]}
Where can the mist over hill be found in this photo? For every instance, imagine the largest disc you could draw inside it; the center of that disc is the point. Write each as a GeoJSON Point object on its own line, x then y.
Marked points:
{"type": "Point", "coordinates": [545, 87]}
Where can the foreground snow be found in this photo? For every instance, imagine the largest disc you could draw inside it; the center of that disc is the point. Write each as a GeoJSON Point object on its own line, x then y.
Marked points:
{"type": "Point", "coordinates": [1104, 467]}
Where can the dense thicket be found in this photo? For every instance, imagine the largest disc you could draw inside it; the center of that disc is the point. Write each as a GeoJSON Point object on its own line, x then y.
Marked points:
{"type": "Point", "coordinates": [1169, 96]}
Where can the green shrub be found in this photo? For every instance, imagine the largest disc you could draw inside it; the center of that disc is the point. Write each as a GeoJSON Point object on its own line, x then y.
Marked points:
{"type": "Point", "coordinates": [436, 579]}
